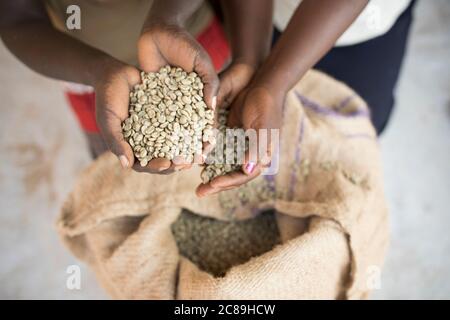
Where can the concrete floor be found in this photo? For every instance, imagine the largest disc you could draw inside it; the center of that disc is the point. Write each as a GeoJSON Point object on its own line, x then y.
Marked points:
{"type": "Point", "coordinates": [42, 151]}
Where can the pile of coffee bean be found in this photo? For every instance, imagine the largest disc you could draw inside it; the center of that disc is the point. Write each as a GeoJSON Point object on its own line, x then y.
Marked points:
{"type": "Point", "coordinates": [168, 116]}
{"type": "Point", "coordinates": [224, 159]}
{"type": "Point", "coordinates": [216, 246]}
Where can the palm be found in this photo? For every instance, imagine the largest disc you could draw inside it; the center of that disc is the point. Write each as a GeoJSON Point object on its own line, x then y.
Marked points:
{"type": "Point", "coordinates": [162, 45]}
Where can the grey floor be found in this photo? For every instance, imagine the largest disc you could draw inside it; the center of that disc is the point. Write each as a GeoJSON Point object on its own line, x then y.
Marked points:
{"type": "Point", "coordinates": [42, 151]}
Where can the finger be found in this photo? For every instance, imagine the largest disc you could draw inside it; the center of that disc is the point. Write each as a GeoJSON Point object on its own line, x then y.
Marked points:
{"type": "Point", "coordinates": [204, 190]}
{"type": "Point", "coordinates": [149, 55]}
{"type": "Point", "coordinates": [232, 81]}
{"type": "Point", "coordinates": [174, 168]}
{"type": "Point", "coordinates": [234, 179]}
{"type": "Point", "coordinates": [112, 108]}
{"type": "Point", "coordinates": [227, 182]}
{"type": "Point", "coordinates": [204, 68]}
{"type": "Point", "coordinates": [259, 152]}
{"type": "Point", "coordinates": [137, 167]}
{"type": "Point", "coordinates": [158, 164]}
{"type": "Point", "coordinates": [250, 159]}
{"type": "Point", "coordinates": [110, 124]}
{"type": "Point", "coordinates": [224, 94]}
{"type": "Point", "coordinates": [111, 131]}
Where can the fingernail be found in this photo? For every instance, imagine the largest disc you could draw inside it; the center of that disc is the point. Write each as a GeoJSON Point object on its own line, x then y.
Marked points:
{"type": "Point", "coordinates": [124, 161]}
{"type": "Point", "coordinates": [249, 167]}
{"type": "Point", "coordinates": [214, 103]}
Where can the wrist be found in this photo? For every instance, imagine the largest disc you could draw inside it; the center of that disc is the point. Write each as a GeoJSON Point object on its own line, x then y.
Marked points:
{"type": "Point", "coordinates": [159, 16]}
{"type": "Point", "coordinates": [254, 58]}
{"type": "Point", "coordinates": [104, 67]}
{"type": "Point", "coordinates": [280, 74]}
{"type": "Point", "coordinates": [158, 21]}
{"type": "Point", "coordinates": [245, 69]}
{"type": "Point", "coordinates": [251, 61]}
{"type": "Point", "coordinates": [276, 89]}
{"type": "Point", "coordinates": [272, 98]}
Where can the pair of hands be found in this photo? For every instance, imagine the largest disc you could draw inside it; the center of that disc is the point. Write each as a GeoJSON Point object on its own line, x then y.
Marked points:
{"type": "Point", "coordinates": [251, 106]}
{"type": "Point", "coordinates": [159, 45]}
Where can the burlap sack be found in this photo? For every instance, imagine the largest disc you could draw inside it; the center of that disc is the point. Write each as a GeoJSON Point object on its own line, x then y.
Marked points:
{"type": "Point", "coordinates": [118, 221]}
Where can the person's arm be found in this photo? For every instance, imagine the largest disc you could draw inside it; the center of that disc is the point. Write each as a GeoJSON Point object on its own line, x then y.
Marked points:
{"type": "Point", "coordinates": [311, 32]}
{"type": "Point", "coordinates": [248, 25]}
{"type": "Point", "coordinates": [249, 28]}
{"type": "Point", "coordinates": [27, 32]}
{"type": "Point", "coordinates": [173, 12]}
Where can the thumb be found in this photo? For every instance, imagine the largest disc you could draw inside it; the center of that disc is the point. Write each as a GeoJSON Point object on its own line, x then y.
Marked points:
{"type": "Point", "coordinates": [112, 100]}
{"type": "Point", "coordinates": [251, 154]}
{"type": "Point", "coordinates": [205, 69]}
{"type": "Point", "coordinates": [111, 130]}
{"type": "Point", "coordinates": [232, 81]}
{"type": "Point", "coordinates": [225, 94]}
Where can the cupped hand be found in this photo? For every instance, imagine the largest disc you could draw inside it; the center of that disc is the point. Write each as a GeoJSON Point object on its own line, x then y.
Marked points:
{"type": "Point", "coordinates": [254, 108]}
{"type": "Point", "coordinates": [112, 92]}
{"type": "Point", "coordinates": [163, 44]}
{"type": "Point", "coordinates": [232, 81]}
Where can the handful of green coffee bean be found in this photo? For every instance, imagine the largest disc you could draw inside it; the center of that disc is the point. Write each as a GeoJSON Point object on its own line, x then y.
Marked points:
{"type": "Point", "coordinates": [225, 157]}
{"type": "Point", "coordinates": [168, 117]}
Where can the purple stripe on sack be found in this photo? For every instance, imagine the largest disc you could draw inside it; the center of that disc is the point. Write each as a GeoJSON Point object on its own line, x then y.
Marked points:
{"type": "Point", "coordinates": [345, 102]}
{"type": "Point", "coordinates": [270, 179]}
{"type": "Point", "coordinates": [300, 139]}
{"type": "Point", "coordinates": [298, 157]}
{"type": "Point", "coordinates": [314, 106]}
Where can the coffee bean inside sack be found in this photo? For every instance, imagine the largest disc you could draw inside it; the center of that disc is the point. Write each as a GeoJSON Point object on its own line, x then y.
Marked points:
{"type": "Point", "coordinates": [227, 156]}
{"type": "Point", "coordinates": [215, 246]}
{"type": "Point", "coordinates": [168, 116]}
